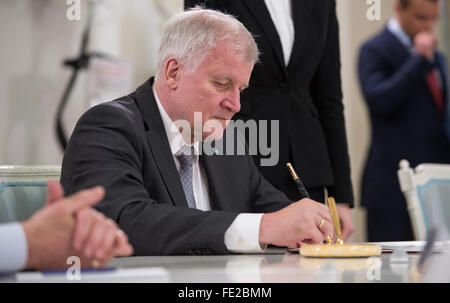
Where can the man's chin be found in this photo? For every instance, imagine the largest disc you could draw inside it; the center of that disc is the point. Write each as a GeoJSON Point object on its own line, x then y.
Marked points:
{"type": "Point", "coordinates": [213, 129]}
{"type": "Point", "coordinates": [212, 136]}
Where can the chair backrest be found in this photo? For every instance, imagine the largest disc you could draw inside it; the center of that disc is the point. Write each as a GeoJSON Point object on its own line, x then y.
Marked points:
{"type": "Point", "coordinates": [23, 190]}
{"type": "Point", "coordinates": [427, 193]}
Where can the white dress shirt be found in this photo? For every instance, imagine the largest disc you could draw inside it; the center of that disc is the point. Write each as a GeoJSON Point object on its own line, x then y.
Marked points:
{"type": "Point", "coordinates": [281, 13]}
{"type": "Point", "coordinates": [13, 247]}
{"type": "Point", "coordinates": [396, 29]}
{"type": "Point", "coordinates": [243, 233]}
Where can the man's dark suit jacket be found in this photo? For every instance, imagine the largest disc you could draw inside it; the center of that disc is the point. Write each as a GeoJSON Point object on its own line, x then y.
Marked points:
{"type": "Point", "coordinates": [447, 118]}
{"type": "Point", "coordinates": [406, 123]}
{"type": "Point", "coordinates": [305, 96]}
{"type": "Point", "coordinates": [122, 145]}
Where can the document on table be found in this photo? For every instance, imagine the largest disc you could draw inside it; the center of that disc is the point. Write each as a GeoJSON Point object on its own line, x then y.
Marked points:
{"type": "Point", "coordinates": [411, 246]}
{"type": "Point", "coordinates": [109, 274]}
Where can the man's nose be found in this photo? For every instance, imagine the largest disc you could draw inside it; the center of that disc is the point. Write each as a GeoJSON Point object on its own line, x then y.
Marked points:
{"type": "Point", "coordinates": [233, 102]}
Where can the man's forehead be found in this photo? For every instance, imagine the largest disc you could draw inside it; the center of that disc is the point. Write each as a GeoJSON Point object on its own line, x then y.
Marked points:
{"type": "Point", "coordinates": [423, 4]}
{"type": "Point", "coordinates": [237, 76]}
{"type": "Point", "coordinates": [228, 69]}
{"type": "Point", "coordinates": [224, 63]}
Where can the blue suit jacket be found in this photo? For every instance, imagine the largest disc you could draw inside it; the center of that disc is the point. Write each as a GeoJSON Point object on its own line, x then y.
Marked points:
{"type": "Point", "coordinates": [405, 121]}
{"type": "Point", "coordinates": [447, 118]}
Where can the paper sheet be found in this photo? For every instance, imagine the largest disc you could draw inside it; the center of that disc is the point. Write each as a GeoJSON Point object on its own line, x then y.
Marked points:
{"type": "Point", "coordinates": [132, 275]}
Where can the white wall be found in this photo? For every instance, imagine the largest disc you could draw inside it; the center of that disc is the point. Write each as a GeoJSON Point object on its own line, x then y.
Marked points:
{"type": "Point", "coordinates": [35, 37]}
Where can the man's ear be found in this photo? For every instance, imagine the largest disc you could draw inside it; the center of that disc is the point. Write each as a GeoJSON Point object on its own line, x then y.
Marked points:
{"type": "Point", "coordinates": [172, 71]}
{"type": "Point", "coordinates": [398, 9]}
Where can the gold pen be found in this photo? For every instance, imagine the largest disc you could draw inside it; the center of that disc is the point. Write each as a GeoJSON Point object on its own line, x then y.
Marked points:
{"type": "Point", "coordinates": [303, 192]}
{"type": "Point", "coordinates": [335, 219]}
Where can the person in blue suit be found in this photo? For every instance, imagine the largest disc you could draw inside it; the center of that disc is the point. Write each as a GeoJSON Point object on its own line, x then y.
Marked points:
{"type": "Point", "coordinates": [404, 82]}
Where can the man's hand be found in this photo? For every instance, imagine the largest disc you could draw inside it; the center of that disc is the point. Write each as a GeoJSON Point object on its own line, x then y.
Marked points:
{"type": "Point", "coordinates": [425, 44]}
{"type": "Point", "coordinates": [296, 224]}
{"type": "Point", "coordinates": [99, 237]}
{"type": "Point", "coordinates": [345, 218]}
{"type": "Point", "coordinates": [95, 235]}
{"type": "Point", "coordinates": [53, 231]}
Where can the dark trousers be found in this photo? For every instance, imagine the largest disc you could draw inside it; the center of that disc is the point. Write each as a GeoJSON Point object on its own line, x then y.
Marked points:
{"type": "Point", "coordinates": [384, 226]}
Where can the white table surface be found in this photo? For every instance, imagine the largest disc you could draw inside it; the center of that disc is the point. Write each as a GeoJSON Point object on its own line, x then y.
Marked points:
{"type": "Point", "coordinates": [274, 266]}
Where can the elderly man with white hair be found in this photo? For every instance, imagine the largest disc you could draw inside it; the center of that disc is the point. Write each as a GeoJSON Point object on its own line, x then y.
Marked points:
{"type": "Point", "coordinates": [165, 193]}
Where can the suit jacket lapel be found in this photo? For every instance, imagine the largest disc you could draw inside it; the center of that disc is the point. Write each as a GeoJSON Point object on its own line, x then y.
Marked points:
{"type": "Point", "coordinates": [159, 144]}
{"type": "Point", "coordinates": [301, 13]}
{"type": "Point", "coordinates": [404, 52]}
{"type": "Point", "coordinates": [219, 185]}
{"type": "Point", "coordinates": [263, 18]}
{"type": "Point", "coordinates": [216, 183]}
{"type": "Point", "coordinates": [445, 82]}
{"type": "Point", "coordinates": [211, 170]}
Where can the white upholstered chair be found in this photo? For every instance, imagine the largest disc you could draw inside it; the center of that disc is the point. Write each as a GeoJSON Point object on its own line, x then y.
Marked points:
{"type": "Point", "coordinates": [427, 192]}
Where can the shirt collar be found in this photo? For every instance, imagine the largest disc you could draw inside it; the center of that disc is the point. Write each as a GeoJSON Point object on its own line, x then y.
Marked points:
{"type": "Point", "coordinates": [395, 28]}
{"type": "Point", "coordinates": [174, 136]}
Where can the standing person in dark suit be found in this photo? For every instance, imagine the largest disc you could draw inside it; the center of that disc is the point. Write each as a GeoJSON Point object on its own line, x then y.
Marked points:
{"type": "Point", "coordinates": [404, 81]}
{"type": "Point", "coordinates": [145, 149]}
{"type": "Point", "coordinates": [297, 82]}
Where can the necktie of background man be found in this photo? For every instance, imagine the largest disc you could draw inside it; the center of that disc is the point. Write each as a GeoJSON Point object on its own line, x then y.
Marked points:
{"type": "Point", "coordinates": [436, 89]}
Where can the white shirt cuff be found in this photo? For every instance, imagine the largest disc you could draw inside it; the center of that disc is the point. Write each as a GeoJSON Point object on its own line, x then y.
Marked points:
{"type": "Point", "coordinates": [13, 247]}
{"type": "Point", "coordinates": [243, 234]}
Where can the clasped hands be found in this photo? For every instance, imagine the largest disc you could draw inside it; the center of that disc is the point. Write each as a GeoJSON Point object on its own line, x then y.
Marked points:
{"type": "Point", "coordinates": [71, 227]}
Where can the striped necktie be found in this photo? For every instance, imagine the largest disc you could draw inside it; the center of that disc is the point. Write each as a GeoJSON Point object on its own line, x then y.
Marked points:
{"type": "Point", "coordinates": [186, 158]}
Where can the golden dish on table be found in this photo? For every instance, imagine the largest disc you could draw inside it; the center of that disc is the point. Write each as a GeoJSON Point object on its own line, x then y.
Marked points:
{"type": "Point", "coordinates": [340, 251]}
